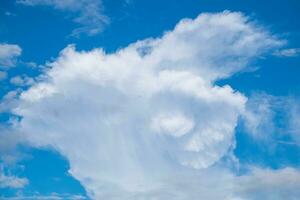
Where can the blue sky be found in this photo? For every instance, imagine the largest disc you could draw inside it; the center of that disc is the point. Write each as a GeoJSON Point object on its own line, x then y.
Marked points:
{"type": "Point", "coordinates": [132, 99]}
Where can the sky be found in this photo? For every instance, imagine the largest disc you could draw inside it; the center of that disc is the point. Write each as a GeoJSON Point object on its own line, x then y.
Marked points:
{"type": "Point", "coordinates": [144, 100]}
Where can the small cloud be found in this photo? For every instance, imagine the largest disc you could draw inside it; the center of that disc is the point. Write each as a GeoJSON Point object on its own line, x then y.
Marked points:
{"type": "Point", "coordinates": [293, 52]}
{"type": "Point", "coordinates": [23, 80]}
{"type": "Point", "coordinates": [8, 54]}
{"type": "Point", "coordinates": [7, 181]}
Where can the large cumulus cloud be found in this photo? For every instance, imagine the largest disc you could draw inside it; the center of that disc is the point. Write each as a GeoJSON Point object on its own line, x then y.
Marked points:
{"type": "Point", "coordinates": [148, 121]}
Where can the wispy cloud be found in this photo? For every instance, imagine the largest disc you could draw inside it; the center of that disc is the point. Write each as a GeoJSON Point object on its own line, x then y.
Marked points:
{"type": "Point", "coordinates": [293, 52]}
{"type": "Point", "coordinates": [262, 113]}
{"type": "Point", "coordinates": [87, 13]}
{"type": "Point", "coordinates": [8, 181]}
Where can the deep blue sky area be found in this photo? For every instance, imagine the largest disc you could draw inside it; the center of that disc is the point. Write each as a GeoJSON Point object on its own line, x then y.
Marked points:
{"type": "Point", "coordinates": [42, 32]}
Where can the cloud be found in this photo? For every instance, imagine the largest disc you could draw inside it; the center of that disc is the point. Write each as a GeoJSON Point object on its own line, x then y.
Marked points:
{"type": "Point", "coordinates": [263, 110]}
{"type": "Point", "coordinates": [8, 54]}
{"type": "Point", "coordinates": [293, 52]}
{"type": "Point", "coordinates": [148, 121]}
{"type": "Point", "coordinates": [11, 181]}
{"type": "Point", "coordinates": [259, 115]}
{"type": "Point", "coordinates": [87, 13]}
{"type": "Point", "coordinates": [9, 138]}
{"type": "Point", "coordinates": [269, 185]}
{"type": "Point", "coordinates": [8, 101]}
{"type": "Point", "coordinates": [23, 80]}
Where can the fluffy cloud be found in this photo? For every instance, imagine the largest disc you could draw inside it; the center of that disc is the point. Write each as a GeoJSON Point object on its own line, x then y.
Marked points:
{"type": "Point", "coordinates": [8, 54]}
{"type": "Point", "coordinates": [148, 121]}
{"type": "Point", "coordinates": [23, 80]}
{"type": "Point", "coordinates": [88, 13]}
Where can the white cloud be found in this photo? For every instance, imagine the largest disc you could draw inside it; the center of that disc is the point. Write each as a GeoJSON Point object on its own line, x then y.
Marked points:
{"type": "Point", "coordinates": [89, 13]}
{"type": "Point", "coordinates": [8, 54]}
{"type": "Point", "coordinates": [261, 113]}
{"type": "Point", "coordinates": [293, 52]}
{"type": "Point", "coordinates": [11, 181]}
{"type": "Point", "coordinates": [259, 116]}
{"type": "Point", "coordinates": [9, 138]}
{"type": "Point", "coordinates": [147, 121]}
{"type": "Point", "coordinates": [8, 101]}
{"type": "Point", "coordinates": [23, 80]}
{"type": "Point", "coordinates": [269, 185]}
